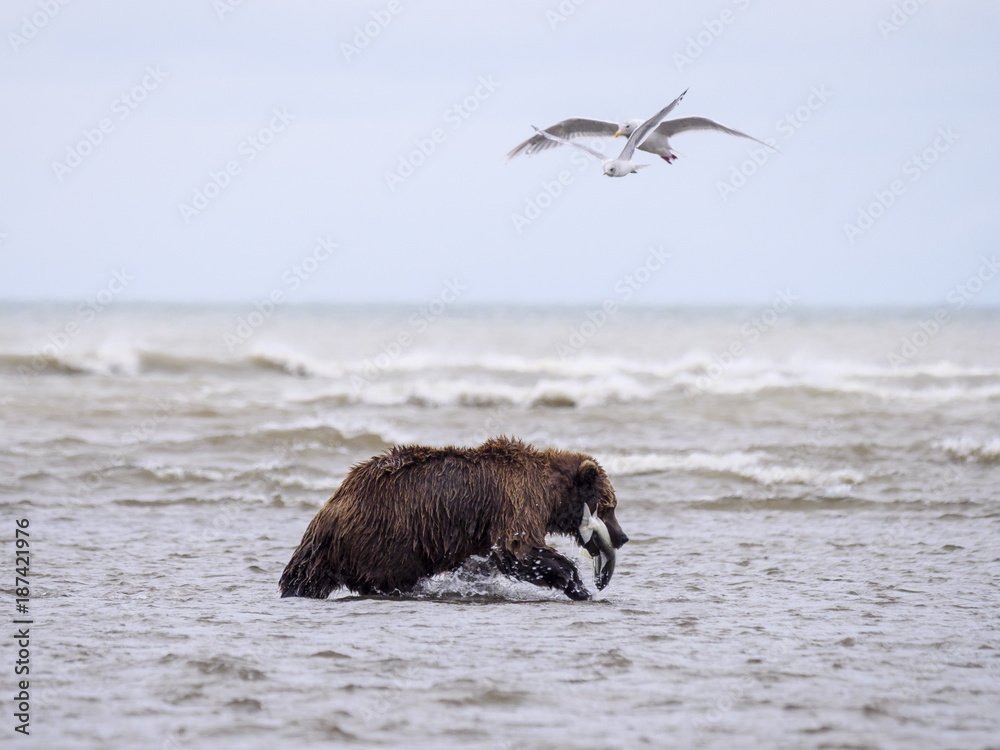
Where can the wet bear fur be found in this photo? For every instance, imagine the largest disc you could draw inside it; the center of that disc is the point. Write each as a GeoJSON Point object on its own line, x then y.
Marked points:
{"type": "Point", "coordinates": [414, 511]}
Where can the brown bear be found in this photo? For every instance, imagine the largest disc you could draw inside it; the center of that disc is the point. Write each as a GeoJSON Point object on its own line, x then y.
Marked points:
{"type": "Point", "coordinates": [415, 511]}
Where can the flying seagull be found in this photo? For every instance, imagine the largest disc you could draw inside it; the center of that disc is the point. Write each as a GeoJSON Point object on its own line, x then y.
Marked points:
{"type": "Point", "coordinates": [623, 165]}
{"type": "Point", "coordinates": [657, 143]}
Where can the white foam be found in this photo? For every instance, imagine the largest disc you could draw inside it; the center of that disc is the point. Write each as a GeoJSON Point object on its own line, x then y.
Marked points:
{"type": "Point", "coordinates": [463, 584]}
{"type": "Point", "coordinates": [986, 450]}
{"type": "Point", "coordinates": [486, 392]}
{"type": "Point", "coordinates": [745, 465]}
{"type": "Point", "coordinates": [188, 474]}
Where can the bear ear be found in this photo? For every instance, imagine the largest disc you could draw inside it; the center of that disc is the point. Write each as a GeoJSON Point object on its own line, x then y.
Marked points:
{"type": "Point", "coordinates": [587, 473]}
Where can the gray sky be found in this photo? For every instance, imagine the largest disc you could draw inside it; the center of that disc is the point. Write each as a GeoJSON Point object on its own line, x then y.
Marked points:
{"type": "Point", "coordinates": [850, 92]}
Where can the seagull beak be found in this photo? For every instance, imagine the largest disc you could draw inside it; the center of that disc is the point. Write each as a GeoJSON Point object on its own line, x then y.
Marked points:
{"type": "Point", "coordinates": [617, 133]}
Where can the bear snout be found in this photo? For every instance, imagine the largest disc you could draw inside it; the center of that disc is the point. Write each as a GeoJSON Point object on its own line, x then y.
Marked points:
{"type": "Point", "coordinates": [615, 532]}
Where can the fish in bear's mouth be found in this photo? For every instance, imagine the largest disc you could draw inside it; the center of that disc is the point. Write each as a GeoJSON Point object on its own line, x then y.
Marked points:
{"type": "Point", "coordinates": [597, 543]}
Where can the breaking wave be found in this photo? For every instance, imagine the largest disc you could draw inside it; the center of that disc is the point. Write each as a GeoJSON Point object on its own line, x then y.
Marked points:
{"type": "Point", "coordinates": [440, 378]}
{"type": "Point", "coordinates": [748, 466]}
{"type": "Point", "coordinates": [970, 449]}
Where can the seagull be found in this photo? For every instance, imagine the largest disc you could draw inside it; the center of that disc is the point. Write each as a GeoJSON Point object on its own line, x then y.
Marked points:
{"type": "Point", "coordinates": [657, 143]}
{"type": "Point", "coordinates": [623, 165]}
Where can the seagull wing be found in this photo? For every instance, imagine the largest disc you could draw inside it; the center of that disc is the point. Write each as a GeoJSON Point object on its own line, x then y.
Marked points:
{"type": "Point", "coordinates": [576, 127]}
{"type": "Point", "coordinates": [640, 133]}
{"type": "Point", "coordinates": [673, 127]}
{"type": "Point", "coordinates": [544, 134]}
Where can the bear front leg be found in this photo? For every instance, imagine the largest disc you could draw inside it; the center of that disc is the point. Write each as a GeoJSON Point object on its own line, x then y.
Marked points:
{"type": "Point", "coordinates": [543, 566]}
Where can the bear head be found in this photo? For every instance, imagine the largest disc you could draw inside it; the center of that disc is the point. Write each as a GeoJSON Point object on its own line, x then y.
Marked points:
{"type": "Point", "coordinates": [587, 513]}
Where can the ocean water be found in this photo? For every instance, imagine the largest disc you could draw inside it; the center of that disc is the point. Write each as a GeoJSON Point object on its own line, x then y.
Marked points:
{"type": "Point", "coordinates": [812, 501]}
